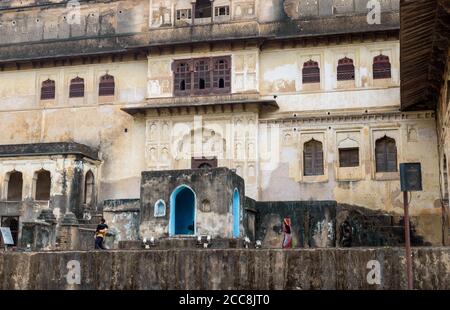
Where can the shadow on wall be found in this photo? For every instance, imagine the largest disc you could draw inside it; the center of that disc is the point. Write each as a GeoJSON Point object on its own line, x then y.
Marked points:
{"type": "Point", "coordinates": [313, 223]}
{"type": "Point", "coordinates": [324, 224]}
{"type": "Point", "coordinates": [360, 227]}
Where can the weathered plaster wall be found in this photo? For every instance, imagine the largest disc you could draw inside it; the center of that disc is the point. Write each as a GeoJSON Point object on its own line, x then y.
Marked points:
{"type": "Point", "coordinates": [443, 120]}
{"type": "Point", "coordinates": [213, 191]}
{"type": "Point", "coordinates": [89, 120]}
{"type": "Point", "coordinates": [313, 223]}
{"type": "Point", "coordinates": [123, 219]}
{"type": "Point", "coordinates": [281, 75]}
{"type": "Point", "coordinates": [226, 269]}
{"type": "Point", "coordinates": [416, 142]}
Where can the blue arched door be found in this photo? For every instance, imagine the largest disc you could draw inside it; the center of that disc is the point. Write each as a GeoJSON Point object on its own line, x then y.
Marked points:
{"type": "Point", "coordinates": [236, 214]}
{"type": "Point", "coordinates": [182, 212]}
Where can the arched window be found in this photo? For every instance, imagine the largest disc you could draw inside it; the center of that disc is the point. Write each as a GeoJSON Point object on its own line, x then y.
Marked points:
{"type": "Point", "coordinates": [160, 208]}
{"type": "Point", "coordinates": [386, 155]}
{"type": "Point", "coordinates": [222, 74]}
{"type": "Point", "coordinates": [202, 79]}
{"type": "Point", "coordinates": [89, 183]}
{"type": "Point", "coordinates": [182, 77]}
{"type": "Point", "coordinates": [107, 86]}
{"type": "Point", "coordinates": [203, 9]}
{"type": "Point", "coordinates": [15, 185]}
{"type": "Point", "coordinates": [204, 163]}
{"type": "Point", "coordinates": [345, 69]}
{"type": "Point", "coordinates": [76, 88]}
{"type": "Point", "coordinates": [43, 184]}
{"type": "Point", "coordinates": [311, 72]}
{"type": "Point", "coordinates": [313, 158]}
{"type": "Point", "coordinates": [48, 90]}
{"type": "Point", "coordinates": [381, 67]}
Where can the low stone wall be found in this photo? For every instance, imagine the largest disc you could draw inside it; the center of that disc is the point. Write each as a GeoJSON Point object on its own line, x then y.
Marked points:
{"type": "Point", "coordinates": [225, 269]}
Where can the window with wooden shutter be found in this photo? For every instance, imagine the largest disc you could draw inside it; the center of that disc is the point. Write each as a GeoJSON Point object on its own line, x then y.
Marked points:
{"type": "Point", "coordinates": [345, 70]}
{"type": "Point", "coordinates": [381, 67]}
{"type": "Point", "coordinates": [76, 88]}
{"type": "Point", "coordinates": [222, 74]}
{"type": "Point", "coordinates": [184, 14]}
{"type": "Point", "coordinates": [202, 76]}
{"type": "Point", "coordinates": [182, 77]}
{"type": "Point", "coordinates": [349, 157]}
{"type": "Point", "coordinates": [386, 155]}
{"type": "Point", "coordinates": [311, 72]}
{"type": "Point", "coordinates": [107, 86]}
{"type": "Point", "coordinates": [313, 158]}
{"type": "Point", "coordinates": [222, 10]}
{"type": "Point", "coordinates": [48, 90]}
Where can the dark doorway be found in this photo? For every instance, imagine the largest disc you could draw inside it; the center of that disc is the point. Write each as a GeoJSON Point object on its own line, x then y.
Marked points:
{"type": "Point", "coordinates": [182, 217]}
{"type": "Point", "coordinates": [43, 184]}
{"type": "Point", "coordinates": [13, 223]}
{"type": "Point", "coordinates": [15, 184]}
{"type": "Point", "coordinates": [204, 163]}
{"type": "Point", "coordinates": [203, 9]}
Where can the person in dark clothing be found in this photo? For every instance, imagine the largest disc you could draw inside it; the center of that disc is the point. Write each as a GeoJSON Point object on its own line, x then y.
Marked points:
{"type": "Point", "coordinates": [100, 235]}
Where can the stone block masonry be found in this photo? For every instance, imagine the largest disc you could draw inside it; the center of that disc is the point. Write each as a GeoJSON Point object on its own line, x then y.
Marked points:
{"type": "Point", "coordinates": [365, 268]}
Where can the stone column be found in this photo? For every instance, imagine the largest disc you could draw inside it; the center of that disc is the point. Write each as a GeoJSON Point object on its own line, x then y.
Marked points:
{"type": "Point", "coordinates": [68, 236]}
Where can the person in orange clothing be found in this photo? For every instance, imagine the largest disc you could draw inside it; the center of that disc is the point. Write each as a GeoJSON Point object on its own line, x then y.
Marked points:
{"type": "Point", "coordinates": [287, 230]}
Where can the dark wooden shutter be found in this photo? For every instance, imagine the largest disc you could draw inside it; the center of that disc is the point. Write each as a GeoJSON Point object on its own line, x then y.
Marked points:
{"type": "Point", "coordinates": [222, 74]}
{"type": "Point", "coordinates": [386, 155]}
{"type": "Point", "coordinates": [313, 158]}
{"type": "Point", "coordinates": [381, 67]}
{"type": "Point", "coordinates": [48, 90]}
{"type": "Point", "coordinates": [349, 157]}
{"type": "Point", "coordinates": [391, 156]}
{"type": "Point", "coordinates": [202, 76]}
{"type": "Point", "coordinates": [76, 88]}
{"type": "Point", "coordinates": [107, 86]}
{"type": "Point", "coordinates": [345, 70]}
{"type": "Point", "coordinates": [182, 77]}
{"type": "Point", "coordinates": [311, 72]}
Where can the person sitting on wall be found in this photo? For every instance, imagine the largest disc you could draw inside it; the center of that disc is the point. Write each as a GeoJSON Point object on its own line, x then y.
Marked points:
{"type": "Point", "coordinates": [287, 230]}
{"type": "Point", "coordinates": [100, 235]}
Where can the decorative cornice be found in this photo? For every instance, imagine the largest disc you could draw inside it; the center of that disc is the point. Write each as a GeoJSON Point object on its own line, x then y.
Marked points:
{"type": "Point", "coordinates": [351, 118]}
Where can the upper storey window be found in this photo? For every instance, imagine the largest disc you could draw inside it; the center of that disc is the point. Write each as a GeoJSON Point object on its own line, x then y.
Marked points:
{"type": "Point", "coordinates": [222, 10]}
{"type": "Point", "coordinates": [222, 74]}
{"type": "Point", "coordinates": [184, 14]}
{"type": "Point", "coordinates": [48, 90]}
{"type": "Point", "coordinates": [203, 9]}
{"type": "Point", "coordinates": [386, 155]}
{"type": "Point", "coordinates": [202, 76]}
{"type": "Point", "coordinates": [107, 86]}
{"type": "Point", "coordinates": [311, 72]}
{"type": "Point", "coordinates": [183, 76]}
{"type": "Point", "coordinates": [345, 70]}
{"type": "Point", "coordinates": [381, 67]}
{"type": "Point", "coordinates": [76, 88]}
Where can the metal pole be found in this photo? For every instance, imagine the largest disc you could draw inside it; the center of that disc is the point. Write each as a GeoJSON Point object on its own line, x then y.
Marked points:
{"type": "Point", "coordinates": [408, 253]}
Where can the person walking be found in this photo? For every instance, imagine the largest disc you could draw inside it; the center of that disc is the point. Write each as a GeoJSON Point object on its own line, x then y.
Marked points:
{"type": "Point", "coordinates": [100, 235]}
{"type": "Point", "coordinates": [287, 230]}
